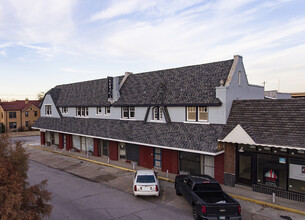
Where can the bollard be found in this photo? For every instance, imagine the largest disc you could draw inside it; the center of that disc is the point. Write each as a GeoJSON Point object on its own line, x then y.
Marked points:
{"type": "Point", "coordinates": [167, 173]}
{"type": "Point", "coordinates": [87, 154]}
{"type": "Point", "coordinates": [273, 197]}
{"type": "Point", "coordinates": [133, 165]}
{"type": "Point", "coordinates": [69, 151]}
{"type": "Point", "coordinates": [108, 161]}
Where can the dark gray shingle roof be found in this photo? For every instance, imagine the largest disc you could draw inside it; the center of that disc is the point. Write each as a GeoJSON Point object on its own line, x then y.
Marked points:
{"type": "Point", "coordinates": [179, 86]}
{"type": "Point", "coordinates": [273, 122]}
{"type": "Point", "coordinates": [177, 135]}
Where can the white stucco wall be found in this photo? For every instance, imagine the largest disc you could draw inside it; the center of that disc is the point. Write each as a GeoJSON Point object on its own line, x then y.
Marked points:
{"type": "Point", "coordinates": [48, 101]}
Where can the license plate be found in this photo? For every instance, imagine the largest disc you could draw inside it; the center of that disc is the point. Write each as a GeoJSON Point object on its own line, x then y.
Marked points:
{"type": "Point", "coordinates": [146, 188]}
{"type": "Point", "coordinates": [222, 217]}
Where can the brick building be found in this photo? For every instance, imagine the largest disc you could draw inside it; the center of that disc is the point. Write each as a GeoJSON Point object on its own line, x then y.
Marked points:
{"type": "Point", "coordinates": [19, 115]}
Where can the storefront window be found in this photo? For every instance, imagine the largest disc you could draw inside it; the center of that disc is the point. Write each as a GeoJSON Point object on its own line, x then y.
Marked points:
{"type": "Point", "coordinates": [189, 162]}
{"type": "Point", "coordinates": [271, 170]}
{"type": "Point", "coordinates": [296, 181]}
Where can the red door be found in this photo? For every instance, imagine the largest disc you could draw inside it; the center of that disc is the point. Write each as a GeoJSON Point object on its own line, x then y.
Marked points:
{"type": "Point", "coordinates": [146, 155]}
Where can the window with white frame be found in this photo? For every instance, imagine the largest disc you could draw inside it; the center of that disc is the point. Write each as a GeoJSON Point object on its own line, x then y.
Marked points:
{"type": "Point", "coordinates": [48, 110]}
{"type": "Point", "coordinates": [202, 113]}
{"type": "Point", "coordinates": [64, 110]}
{"type": "Point", "coordinates": [157, 113]}
{"type": "Point", "coordinates": [191, 113]}
{"type": "Point", "coordinates": [107, 110]}
{"type": "Point", "coordinates": [82, 111]}
{"type": "Point", "coordinates": [99, 110]}
{"type": "Point", "coordinates": [197, 113]}
{"type": "Point", "coordinates": [128, 112]}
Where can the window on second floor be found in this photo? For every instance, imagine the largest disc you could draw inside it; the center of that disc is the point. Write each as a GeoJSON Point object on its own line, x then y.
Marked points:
{"type": "Point", "coordinates": [98, 110]}
{"type": "Point", "coordinates": [26, 114]}
{"type": "Point", "coordinates": [157, 113]}
{"type": "Point", "coordinates": [197, 113]}
{"type": "Point", "coordinates": [128, 112]}
{"type": "Point", "coordinates": [82, 111]}
{"type": "Point", "coordinates": [107, 110]}
{"type": "Point", "coordinates": [12, 115]}
{"type": "Point", "coordinates": [35, 113]}
{"type": "Point", "coordinates": [48, 109]}
{"type": "Point", "coordinates": [64, 110]}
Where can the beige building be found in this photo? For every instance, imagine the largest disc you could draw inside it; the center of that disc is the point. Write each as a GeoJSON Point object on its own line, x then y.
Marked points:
{"type": "Point", "coordinates": [19, 115]}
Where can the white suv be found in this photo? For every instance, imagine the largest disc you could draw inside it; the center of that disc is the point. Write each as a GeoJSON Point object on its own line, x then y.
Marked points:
{"type": "Point", "coordinates": [146, 183]}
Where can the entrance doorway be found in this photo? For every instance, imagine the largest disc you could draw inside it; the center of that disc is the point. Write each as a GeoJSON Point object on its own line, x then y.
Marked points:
{"type": "Point", "coordinates": [244, 169]}
{"type": "Point", "coordinates": [122, 151]}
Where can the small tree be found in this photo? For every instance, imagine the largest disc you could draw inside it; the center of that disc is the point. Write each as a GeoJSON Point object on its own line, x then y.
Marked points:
{"type": "Point", "coordinates": [19, 200]}
{"type": "Point", "coordinates": [40, 95]}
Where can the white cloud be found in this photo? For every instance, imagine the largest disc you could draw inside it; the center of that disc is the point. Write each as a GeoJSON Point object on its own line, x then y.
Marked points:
{"type": "Point", "coordinates": [3, 53]}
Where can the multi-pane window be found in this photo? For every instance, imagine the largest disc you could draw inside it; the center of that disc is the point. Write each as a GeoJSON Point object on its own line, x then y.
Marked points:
{"type": "Point", "coordinates": [202, 113]}
{"type": "Point", "coordinates": [128, 112]}
{"type": "Point", "coordinates": [13, 125]}
{"type": "Point", "coordinates": [12, 114]}
{"type": "Point", "coordinates": [99, 110]}
{"type": "Point", "coordinates": [64, 110]}
{"type": "Point", "coordinates": [26, 114]}
{"type": "Point", "coordinates": [191, 113]}
{"type": "Point", "coordinates": [197, 113]}
{"type": "Point", "coordinates": [48, 109]}
{"type": "Point", "coordinates": [82, 111]}
{"type": "Point", "coordinates": [157, 113]}
{"type": "Point", "coordinates": [107, 110]}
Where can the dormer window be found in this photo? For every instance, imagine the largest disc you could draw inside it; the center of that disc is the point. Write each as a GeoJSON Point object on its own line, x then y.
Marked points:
{"type": "Point", "coordinates": [64, 110]}
{"type": "Point", "coordinates": [48, 110]}
{"type": "Point", "coordinates": [82, 111]}
{"type": "Point", "coordinates": [98, 110]}
{"type": "Point", "coordinates": [128, 112]}
{"type": "Point", "coordinates": [197, 113]}
{"type": "Point", "coordinates": [157, 113]}
{"type": "Point", "coordinates": [107, 110]}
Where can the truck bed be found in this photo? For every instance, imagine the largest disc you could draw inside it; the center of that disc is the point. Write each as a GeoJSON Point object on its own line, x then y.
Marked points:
{"type": "Point", "coordinates": [216, 197]}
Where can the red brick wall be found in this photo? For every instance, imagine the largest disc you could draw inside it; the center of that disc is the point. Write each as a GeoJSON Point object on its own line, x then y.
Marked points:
{"type": "Point", "coordinates": [146, 157]}
{"type": "Point", "coordinates": [113, 150]}
{"type": "Point", "coordinates": [230, 159]}
{"type": "Point", "coordinates": [219, 168]}
{"type": "Point", "coordinates": [169, 161]}
{"type": "Point", "coordinates": [61, 141]}
{"type": "Point", "coordinates": [42, 138]}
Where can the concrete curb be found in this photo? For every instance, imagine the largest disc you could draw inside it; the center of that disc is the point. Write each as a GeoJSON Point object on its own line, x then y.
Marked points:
{"type": "Point", "coordinates": [268, 204]}
{"type": "Point", "coordinates": [170, 180]}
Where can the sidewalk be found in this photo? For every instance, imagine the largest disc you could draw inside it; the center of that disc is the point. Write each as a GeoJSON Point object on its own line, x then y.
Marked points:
{"type": "Point", "coordinates": [239, 192]}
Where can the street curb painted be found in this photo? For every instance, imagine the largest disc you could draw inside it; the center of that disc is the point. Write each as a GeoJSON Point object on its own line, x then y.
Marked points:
{"type": "Point", "coordinates": [268, 204]}
{"type": "Point", "coordinates": [170, 180]}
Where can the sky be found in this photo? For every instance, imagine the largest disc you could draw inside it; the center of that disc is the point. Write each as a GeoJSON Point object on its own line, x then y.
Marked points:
{"type": "Point", "coordinates": [44, 43]}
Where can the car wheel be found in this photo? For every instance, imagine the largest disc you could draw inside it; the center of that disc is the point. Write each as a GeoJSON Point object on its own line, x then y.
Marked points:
{"type": "Point", "coordinates": [195, 213]}
{"type": "Point", "coordinates": [178, 193]}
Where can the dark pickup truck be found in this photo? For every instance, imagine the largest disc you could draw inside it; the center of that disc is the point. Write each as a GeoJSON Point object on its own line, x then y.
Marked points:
{"type": "Point", "coordinates": [207, 198]}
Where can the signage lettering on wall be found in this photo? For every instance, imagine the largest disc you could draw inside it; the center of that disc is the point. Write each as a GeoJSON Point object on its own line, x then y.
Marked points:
{"type": "Point", "coordinates": [110, 86]}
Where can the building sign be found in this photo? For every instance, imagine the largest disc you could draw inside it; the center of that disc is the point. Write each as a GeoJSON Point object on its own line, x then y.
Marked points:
{"type": "Point", "coordinates": [282, 160]}
{"type": "Point", "coordinates": [271, 177]}
{"type": "Point", "coordinates": [110, 86]}
{"type": "Point", "coordinates": [297, 172]}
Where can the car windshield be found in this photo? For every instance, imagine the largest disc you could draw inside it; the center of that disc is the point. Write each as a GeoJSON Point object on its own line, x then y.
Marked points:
{"type": "Point", "coordinates": [146, 179]}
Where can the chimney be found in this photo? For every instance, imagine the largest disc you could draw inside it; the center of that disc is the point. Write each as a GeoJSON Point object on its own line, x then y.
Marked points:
{"type": "Point", "coordinates": [26, 101]}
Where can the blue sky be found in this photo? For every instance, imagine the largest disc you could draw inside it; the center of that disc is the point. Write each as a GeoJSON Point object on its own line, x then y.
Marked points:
{"type": "Point", "coordinates": [51, 42]}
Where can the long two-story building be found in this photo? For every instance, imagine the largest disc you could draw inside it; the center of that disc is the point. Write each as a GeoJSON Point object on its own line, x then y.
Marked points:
{"type": "Point", "coordinates": [168, 119]}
